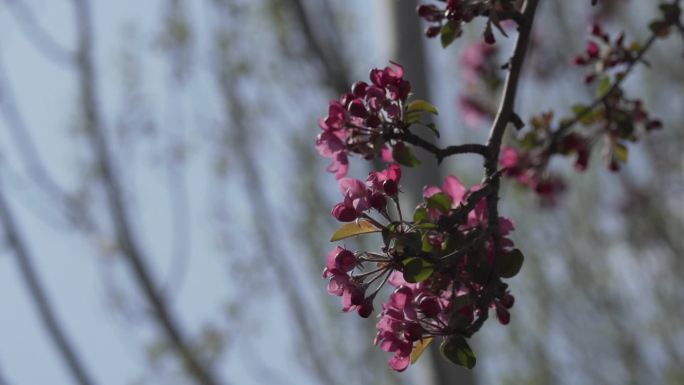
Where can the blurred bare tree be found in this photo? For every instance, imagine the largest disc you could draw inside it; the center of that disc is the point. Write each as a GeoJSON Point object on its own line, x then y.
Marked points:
{"type": "Point", "coordinates": [214, 159]}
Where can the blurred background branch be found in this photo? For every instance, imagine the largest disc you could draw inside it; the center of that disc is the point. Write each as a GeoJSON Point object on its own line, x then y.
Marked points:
{"type": "Point", "coordinates": [39, 296]}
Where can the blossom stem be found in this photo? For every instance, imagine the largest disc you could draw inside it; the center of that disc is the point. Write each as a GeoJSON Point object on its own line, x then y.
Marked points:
{"type": "Point", "coordinates": [565, 126]}
{"type": "Point", "coordinates": [377, 289]}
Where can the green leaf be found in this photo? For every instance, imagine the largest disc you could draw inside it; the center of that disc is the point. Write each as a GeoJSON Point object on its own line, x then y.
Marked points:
{"type": "Point", "coordinates": [588, 117]}
{"type": "Point", "coordinates": [419, 348]}
{"type": "Point", "coordinates": [449, 32]}
{"type": "Point", "coordinates": [439, 201]}
{"type": "Point", "coordinates": [511, 263]}
{"type": "Point", "coordinates": [420, 215]}
{"type": "Point", "coordinates": [405, 156]}
{"type": "Point", "coordinates": [620, 152]}
{"type": "Point", "coordinates": [528, 141]}
{"type": "Point", "coordinates": [413, 117]}
{"type": "Point", "coordinates": [604, 86]}
{"type": "Point", "coordinates": [421, 106]}
{"type": "Point", "coordinates": [433, 128]}
{"type": "Point", "coordinates": [426, 246]}
{"type": "Point", "coordinates": [578, 108]}
{"type": "Point", "coordinates": [353, 229]}
{"type": "Point", "coordinates": [456, 350]}
{"type": "Point", "coordinates": [417, 269]}
{"type": "Point", "coordinates": [426, 226]}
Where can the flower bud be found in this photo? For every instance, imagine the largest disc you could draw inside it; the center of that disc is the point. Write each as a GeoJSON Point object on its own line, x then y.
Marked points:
{"type": "Point", "coordinates": [366, 309]}
{"type": "Point", "coordinates": [579, 60]}
{"type": "Point", "coordinates": [613, 166]}
{"type": "Point", "coordinates": [429, 12]}
{"type": "Point", "coordinates": [357, 108]}
{"type": "Point", "coordinates": [507, 301]}
{"type": "Point", "coordinates": [343, 213]}
{"type": "Point", "coordinates": [378, 201]}
{"type": "Point", "coordinates": [413, 332]}
{"type": "Point", "coordinates": [373, 121]}
{"type": "Point", "coordinates": [357, 296]}
{"type": "Point", "coordinates": [346, 99]}
{"type": "Point", "coordinates": [429, 306]}
{"type": "Point", "coordinates": [359, 89]}
{"type": "Point", "coordinates": [432, 31]}
{"type": "Point", "coordinates": [654, 125]}
{"type": "Point", "coordinates": [345, 260]}
{"type": "Point", "coordinates": [390, 187]}
{"type": "Point", "coordinates": [489, 37]}
{"type": "Point", "coordinates": [503, 315]}
{"type": "Point", "coordinates": [592, 49]}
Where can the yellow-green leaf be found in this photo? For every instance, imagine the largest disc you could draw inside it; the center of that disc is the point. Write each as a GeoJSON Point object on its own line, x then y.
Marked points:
{"type": "Point", "coordinates": [620, 152]}
{"type": "Point", "coordinates": [419, 349]}
{"type": "Point", "coordinates": [449, 32]}
{"type": "Point", "coordinates": [348, 230]}
{"type": "Point", "coordinates": [421, 105]}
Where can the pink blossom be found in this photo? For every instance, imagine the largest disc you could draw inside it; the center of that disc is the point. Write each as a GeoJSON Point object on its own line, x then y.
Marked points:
{"type": "Point", "coordinates": [341, 259]}
{"type": "Point", "coordinates": [385, 181]}
{"type": "Point", "coordinates": [474, 114]}
{"type": "Point", "coordinates": [452, 187]}
{"type": "Point", "coordinates": [476, 60]}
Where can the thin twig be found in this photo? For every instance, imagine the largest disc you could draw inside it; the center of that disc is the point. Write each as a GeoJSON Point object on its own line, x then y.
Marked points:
{"type": "Point", "coordinates": [439, 153]}
{"type": "Point", "coordinates": [40, 38]}
{"type": "Point", "coordinates": [504, 116]}
{"type": "Point", "coordinates": [39, 296]}
{"type": "Point", "coordinates": [138, 262]}
{"type": "Point", "coordinates": [566, 125]}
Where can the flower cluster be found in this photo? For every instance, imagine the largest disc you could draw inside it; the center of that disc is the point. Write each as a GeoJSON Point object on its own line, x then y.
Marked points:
{"type": "Point", "coordinates": [443, 264]}
{"type": "Point", "coordinates": [358, 121]}
{"type": "Point", "coordinates": [614, 123]}
{"type": "Point", "coordinates": [672, 14]}
{"type": "Point", "coordinates": [482, 77]}
{"type": "Point", "coordinates": [446, 262]}
{"type": "Point", "coordinates": [528, 162]}
{"type": "Point", "coordinates": [340, 263]}
{"type": "Point", "coordinates": [360, 197]}
{"type": "Point", "coordinates": [532, 172]}
{"type": "Point", "coordinates": [604, 54]}
{"type": "Point", "coordinates": [612, 119]}
{"type": "Point", "coordinates": [447, 22]}
{"type": "Point", "coordinates": [457, 279]}
{"type": "Point", "coordinates": [370, 121]}
{"type": "Point", "coordinates": [615, 118]}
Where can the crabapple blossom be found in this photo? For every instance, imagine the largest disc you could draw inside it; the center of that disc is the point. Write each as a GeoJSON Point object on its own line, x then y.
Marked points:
{"type": "Point", "coordinates": [446, 260]}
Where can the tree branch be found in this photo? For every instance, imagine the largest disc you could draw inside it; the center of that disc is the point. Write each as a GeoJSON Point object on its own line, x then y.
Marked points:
{"type": "Point", "coordinates": [131, 250]}
{"type": "Point", "coordinates": [440, 153]}
{"type": "Point", "coordinates": [40, 299]}
{"type": "Point", "coordinates": [334, 67]}
{"type": "Point", "coordinates": [31, 158]}
{"type": "Point", "coordinates": [40, 38]}
{"type": "Point", "coordinates": [504, 116]}
{"type": "Point", "coordinates": [565, 126]}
